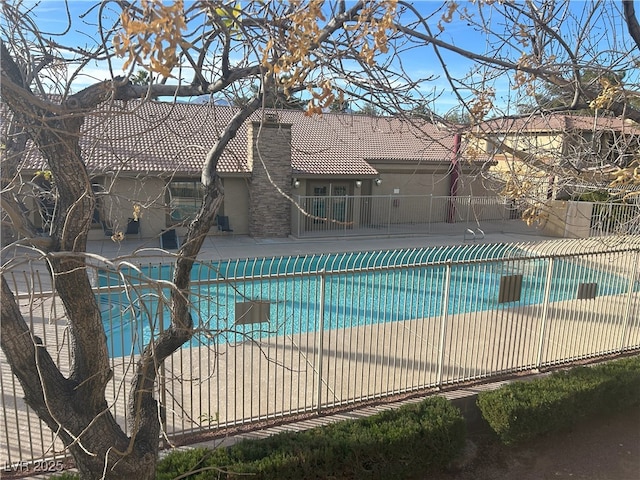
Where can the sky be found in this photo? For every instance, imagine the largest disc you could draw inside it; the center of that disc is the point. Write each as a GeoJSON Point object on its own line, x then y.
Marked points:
{"type": "Point", "coordinates": [52, 18]}
{"type": "Point", "coordinates": [420, 62]}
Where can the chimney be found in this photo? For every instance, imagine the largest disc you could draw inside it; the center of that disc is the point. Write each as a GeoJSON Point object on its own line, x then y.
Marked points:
{"type": "Point", "coordinates": [269, 157]}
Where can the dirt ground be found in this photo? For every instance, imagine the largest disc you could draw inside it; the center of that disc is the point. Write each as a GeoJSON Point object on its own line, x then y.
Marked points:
{"type": "Point", "coordinates": [599, 449]}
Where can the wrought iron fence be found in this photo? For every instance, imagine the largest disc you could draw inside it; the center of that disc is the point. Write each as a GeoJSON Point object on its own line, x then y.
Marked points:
{"type": "Point", "coordinates": [614, 218]}
{"type": "Point", "coordinates": [394, 214]}
{"type": "Point", "coordinates": [302, 334]}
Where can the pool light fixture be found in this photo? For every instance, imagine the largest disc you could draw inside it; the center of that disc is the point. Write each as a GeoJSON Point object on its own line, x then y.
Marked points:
{"type": "Point", "coordinates": [378, 181]}
{"type": "Point", "coordinates": [358, 183]}
{"type": "Point", "coordinates": [295, 183]}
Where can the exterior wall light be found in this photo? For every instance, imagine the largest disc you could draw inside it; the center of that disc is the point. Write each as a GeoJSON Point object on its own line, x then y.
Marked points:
{"type": "Point", "coordinates": [378, 181]}
{"type": "Point", "coordinates": [295, 183]}
{"type": "Point", "coordinates": [358, 183]}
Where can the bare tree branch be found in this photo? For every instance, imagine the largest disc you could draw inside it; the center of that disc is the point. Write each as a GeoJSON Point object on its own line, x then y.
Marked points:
{"type": "Point", "coordinates": [632, 22]}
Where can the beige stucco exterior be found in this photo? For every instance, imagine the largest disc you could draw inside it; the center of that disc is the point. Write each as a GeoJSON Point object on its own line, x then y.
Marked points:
{"type": "Point", "coordinates": [119, 196]}
{"type": "Point", "coordinates": [236, 203]}
{"type": "Point", "coordinates": [567, 219]}
{"type": "Point", "coordinates": [125, 193]}
{"type": "Point", "coordinates": [520, 178]}
{"type": "Point", "coordinates": [404, 192]}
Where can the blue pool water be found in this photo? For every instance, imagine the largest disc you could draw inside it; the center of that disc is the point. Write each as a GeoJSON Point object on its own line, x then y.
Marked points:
{"type": "Point", "coordinates": [359, 288]}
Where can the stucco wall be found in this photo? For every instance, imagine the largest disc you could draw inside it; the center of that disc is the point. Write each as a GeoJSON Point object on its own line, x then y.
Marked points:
{"type": "Point", "coordinates": [408, 193]}
{"type": "Point", "coordinates": [236, 204]}
{"type": "Point", "coordinates": [118, 205]}
{"type": "Point", "coordinates": [414, 179]}
{"type": "Point", "coordinates": [122, 195]}
{"type": "Point", "coordinates": [568, 219]}
{"type": "Point", "coordinates": [472, 183]}
{"type": "Point", "coordinates": [391, 204]}
{"type": "Point", "coordinates": [544, 143]}
{"type": "Point", "coordinates": [409, 183]}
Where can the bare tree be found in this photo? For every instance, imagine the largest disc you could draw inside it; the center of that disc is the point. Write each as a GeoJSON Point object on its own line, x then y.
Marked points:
{"type": "Point", "coordinates": [583, 53]}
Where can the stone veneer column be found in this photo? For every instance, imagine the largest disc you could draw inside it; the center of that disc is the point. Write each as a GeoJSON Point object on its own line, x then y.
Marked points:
{"type": "Point", "coordinates": [269, 210]}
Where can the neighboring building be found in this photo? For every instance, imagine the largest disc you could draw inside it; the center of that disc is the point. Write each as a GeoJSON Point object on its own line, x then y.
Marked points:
{"type": "Point", "coordinates": [148, 156]}
{"type": "Point", "coordinates": [587, 148]}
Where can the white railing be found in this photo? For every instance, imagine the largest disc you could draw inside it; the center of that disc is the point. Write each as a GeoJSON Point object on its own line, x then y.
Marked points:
{"type": "Point", "coordinates": [394, 214]}
{"type": "Point", "coordinates": [614, 218]}
{"type": "Point", "coordinates": [303, 334]}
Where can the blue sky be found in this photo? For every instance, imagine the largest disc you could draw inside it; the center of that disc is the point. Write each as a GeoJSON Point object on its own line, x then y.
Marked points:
{"type": "Point", "coordinates": [421, 62]}
{"type": "Point", "coordinates": [51, 18]}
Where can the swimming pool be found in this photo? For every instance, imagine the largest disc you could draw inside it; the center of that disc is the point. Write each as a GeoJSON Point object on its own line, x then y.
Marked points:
{"type": "Point", "coordinates": [336, 290]}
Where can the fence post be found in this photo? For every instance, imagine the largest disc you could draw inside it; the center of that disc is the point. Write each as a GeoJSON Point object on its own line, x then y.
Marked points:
{"type": "Point", "coordinates": [299, 213]}
{"type": "Point", "coordinates": [320, 337]}
{"type": "Point", "coordinates": [346, 215]}
{"type": "Point", "coordinates": [545, 312]}
{"type": "Point", "coordinates": [443, 324]}
{"type": "Point", "coordinates": [430, 211]}
{"type": "Point", "coordinates": [627, 310]}
{"type": "Point", "coordinates": [505, 206]}
{"type": "Point", "coordinates": [162, 377]}
{"type": "Point", "coordinates": [389, 205]}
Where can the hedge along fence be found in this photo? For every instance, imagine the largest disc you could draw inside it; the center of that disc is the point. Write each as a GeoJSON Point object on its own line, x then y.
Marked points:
{"type": "Point", "coordinates": [523, 410]}
{"type": "Point", "coordinates": [421, 437]}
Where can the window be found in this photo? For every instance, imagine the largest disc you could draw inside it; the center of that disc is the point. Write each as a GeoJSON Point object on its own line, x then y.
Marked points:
{"type": "Point", "coordinates": [184, 199]}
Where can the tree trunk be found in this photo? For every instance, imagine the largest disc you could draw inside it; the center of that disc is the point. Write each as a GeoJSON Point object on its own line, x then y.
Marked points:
{"type": "Point", "coordinates": [76, 407]}
{"type": "Point", "coordinates": [96, 441]}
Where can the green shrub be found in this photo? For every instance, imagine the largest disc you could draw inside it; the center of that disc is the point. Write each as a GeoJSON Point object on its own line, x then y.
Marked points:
{"type": "Point", "coordinates": [523, 410]}
{"type": "Point", "coordinates": [393, 444]}
{"type": "Point", "coordinates": [192, 460]}
{"type": "Point", "coordinates": [595, 196]}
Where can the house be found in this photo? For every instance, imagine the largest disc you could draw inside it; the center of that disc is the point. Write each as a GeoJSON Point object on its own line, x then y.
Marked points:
{"type": "Point", "coordinates": [145, 159]}
{"type": "Point", "coordinates": [554, 161]}
{"type": "Point", "coordinates": [559, 155]}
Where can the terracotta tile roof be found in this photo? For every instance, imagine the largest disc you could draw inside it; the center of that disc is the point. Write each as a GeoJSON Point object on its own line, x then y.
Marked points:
{"type": "Point", "coordinates": [160, 137]}
{"type": "Point", "coordinates": [346, 144]}
{"type": "Point", "coordinates": [154, 137]}
{"type": "Point", "coordinates": [558, 122]}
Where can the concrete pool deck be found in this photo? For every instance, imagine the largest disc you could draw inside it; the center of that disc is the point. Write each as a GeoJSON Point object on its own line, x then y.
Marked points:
{"type": "Point", "coordinates": [219, 246]}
